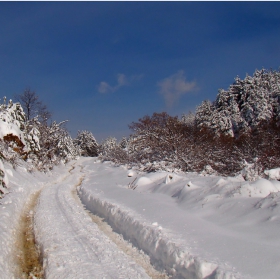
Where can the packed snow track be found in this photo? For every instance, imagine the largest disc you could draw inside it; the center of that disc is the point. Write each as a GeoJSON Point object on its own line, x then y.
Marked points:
{"type": "Point", "coordinates": [72, 245]}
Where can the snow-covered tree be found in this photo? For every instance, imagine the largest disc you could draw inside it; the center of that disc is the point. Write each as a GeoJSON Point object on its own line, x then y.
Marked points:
{"type": "Point", "coordinates": [56, 145]}
{"type": "Point", "coordinates": [12, 126]}
{"type": "Point", "coordinates": [107, 146]}
{"type": "Point", "coordinates": [86, 144]}
{"type": "Point", "coordinates": [248, 112]}
{"type": "Point", "coordinates": [188, 119]}
{"type": "Point", "coordinates": [245, 105]}
{"type": "Point", "coordinates": [124, 143]}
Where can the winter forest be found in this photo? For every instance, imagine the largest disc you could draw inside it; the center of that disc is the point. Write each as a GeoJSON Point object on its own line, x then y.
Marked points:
{"type": "Point", "coordinates": [236, 133]}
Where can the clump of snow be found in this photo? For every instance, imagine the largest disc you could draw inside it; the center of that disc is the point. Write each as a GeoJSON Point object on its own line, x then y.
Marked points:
{"type": "Point", "coordinates": [258, 188]}
{"type": "Point", "coordinates": [10, 128]}
{"type": "Point", "coordinates": [143, 181]}
{"type": "Point", "coordinates": [208, 170]}
{"type": "Point", "coordinates": [273, 174]}
{"type": "Point", "coordinates": [130, 173]}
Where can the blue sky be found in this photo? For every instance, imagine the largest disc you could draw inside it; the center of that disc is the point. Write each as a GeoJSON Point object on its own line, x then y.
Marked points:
{"type": "Point", "coordinates": [102, 65]}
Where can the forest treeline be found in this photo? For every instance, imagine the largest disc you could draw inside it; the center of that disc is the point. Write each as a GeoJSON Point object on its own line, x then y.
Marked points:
{"type": "Point", "coordinates": [237, 132]}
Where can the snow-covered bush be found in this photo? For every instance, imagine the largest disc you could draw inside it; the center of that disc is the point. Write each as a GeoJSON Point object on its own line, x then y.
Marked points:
{"type": "Point", "coordinates": [42, 145]}
{"type": "Point", "coordinates": [12, 125]}
{"type": "Point", "coordinates": [159, 138]}
{"type": "Point", "coordinates": [251, 171]}
{"type": "Point", "coordinates": [12, 132]}
{"type": "Point", "coordinates": [56, 145]}
{"type": "Point", "coordinates": [33, 135]}
{"type": "Point", "coordinates": [9, 154]}
{"type": "Point", "coordinates": [208, 170]}
{"type": "Point", "coordinates": [110, 150]}
{"type": "Point", "coordinates": [86, 144]}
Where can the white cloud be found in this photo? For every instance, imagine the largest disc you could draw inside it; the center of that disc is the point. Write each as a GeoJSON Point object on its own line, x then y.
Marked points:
{"type": "Point", "coordinates": [174, 86]}
{"type": "Point", "coordinates": [106, 88]}
{"type": "Point", "coordinates": [122, 80]}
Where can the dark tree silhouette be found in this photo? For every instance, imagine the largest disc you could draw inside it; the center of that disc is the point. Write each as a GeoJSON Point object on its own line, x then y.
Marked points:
{"type": "Point", "coordinates": [33, 106]}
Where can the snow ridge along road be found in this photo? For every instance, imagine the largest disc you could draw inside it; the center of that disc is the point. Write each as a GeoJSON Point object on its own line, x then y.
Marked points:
{"type": "Point", "coordinates": [72, 246]}
{"type": "Point", "coordinates": [108, 197]}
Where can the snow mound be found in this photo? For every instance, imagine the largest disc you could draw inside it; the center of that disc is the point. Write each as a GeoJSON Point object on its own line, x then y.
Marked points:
{"type": "Point", "coordinates": [172, 178]}
{"type": "Point", "coordinates": [273, 174]}
{"type": "Point", "coordinates": [142, 181]}
{"type": "Point", "coordinates": [130, 173]}
{"type": "Point", "coordinates": [272, 201]}
{"type": "Point", "coordinates": [153, 178]}
{"type": "Point", "coordinates": [259, 188]}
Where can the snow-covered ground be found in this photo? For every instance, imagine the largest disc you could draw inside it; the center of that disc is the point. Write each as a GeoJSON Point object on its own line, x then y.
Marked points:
{"type": "Point", "coordinates": [188, 225]}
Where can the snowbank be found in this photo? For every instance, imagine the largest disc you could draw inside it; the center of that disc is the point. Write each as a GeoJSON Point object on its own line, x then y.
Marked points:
{"type": "Point", "coordinates": [192, 226]}
{"type": "Point", "coordinates": [165, 254]}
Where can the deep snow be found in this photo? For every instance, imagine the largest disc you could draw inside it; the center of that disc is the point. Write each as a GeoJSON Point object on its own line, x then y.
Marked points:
{"type": "Point", "coordinates": [190, 225]}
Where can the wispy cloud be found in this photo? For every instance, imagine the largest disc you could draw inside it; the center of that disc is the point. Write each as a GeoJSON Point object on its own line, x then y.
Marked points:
{"type": "Point", "coordinates": [175, 86]}
{"type": "Point", "coordinates": [122, 80]}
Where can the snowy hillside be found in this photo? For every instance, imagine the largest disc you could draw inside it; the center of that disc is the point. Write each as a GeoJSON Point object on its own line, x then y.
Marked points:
{"type": "Point", "coordinates": [164, 224]}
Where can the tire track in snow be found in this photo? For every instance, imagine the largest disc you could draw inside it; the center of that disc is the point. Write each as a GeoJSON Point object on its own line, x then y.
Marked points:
{"type": "Point", "coordinates": [138, 256]}
{"type": "Point", "coordinates": [27, 253]}
{"type": "Point", "coordinates": [71, 245]}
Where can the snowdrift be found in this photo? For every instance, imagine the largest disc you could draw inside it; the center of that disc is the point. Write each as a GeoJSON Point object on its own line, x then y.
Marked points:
{"type": "Point", "coordinates": [191, 226]}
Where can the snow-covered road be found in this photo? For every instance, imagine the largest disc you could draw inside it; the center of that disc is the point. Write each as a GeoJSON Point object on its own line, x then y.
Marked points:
{"type": "Point", "coordinates": [72, 245]}
{"type": "Point", "coordinates": [87, 222]}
